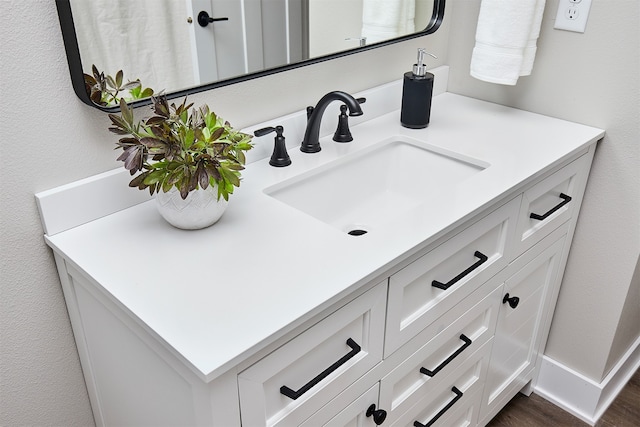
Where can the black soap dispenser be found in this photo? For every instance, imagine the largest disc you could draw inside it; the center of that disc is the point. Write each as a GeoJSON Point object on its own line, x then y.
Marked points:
{"type": "Point", "coordinates": [416, 95]}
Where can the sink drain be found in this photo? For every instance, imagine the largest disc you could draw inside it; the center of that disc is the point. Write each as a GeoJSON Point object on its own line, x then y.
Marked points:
{"type": "Point", "coordinates": [357, 232]}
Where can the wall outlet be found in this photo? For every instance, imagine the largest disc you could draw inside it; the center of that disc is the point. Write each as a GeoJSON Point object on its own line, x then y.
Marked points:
{"type": "Point", "coordinates": [572, 15]}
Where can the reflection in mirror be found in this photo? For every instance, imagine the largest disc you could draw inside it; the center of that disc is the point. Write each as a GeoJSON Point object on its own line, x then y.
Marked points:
{"type": "Point", "coordinates": [184, 46]}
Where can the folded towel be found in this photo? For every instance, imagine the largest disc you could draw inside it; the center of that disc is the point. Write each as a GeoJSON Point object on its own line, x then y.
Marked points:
{"type": "Point", "coordinates": [387, 19]}
{"type": "Point", "coordinates": [529, 54]}
{"type": "Point", "coordinates": [506, 40]}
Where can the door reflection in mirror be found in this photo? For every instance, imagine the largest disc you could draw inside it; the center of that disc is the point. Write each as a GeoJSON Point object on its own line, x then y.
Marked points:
{"type": "Point", "coordinates": [162, 43]}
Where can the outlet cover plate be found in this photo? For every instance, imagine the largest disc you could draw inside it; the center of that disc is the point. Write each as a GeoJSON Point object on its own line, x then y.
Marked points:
{"type": "Point", "coordinates": [572, 15]}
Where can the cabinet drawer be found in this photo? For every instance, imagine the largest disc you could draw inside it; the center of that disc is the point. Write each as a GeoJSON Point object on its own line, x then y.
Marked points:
{"type": "Point", "coordinates": [460, 265]}
{"type": "Point", "coordinates": [550, 203]}
{"type": "Point", "coordinates": [354, 414]}
{"type": "Point", "coordinates": [456, 392]}
{"type": "Point", "coordinates": [464, 415]}
{"type": "Point", "coordinates": [442, 355]}
{"type": "Point", "coordinates": [297, 379]}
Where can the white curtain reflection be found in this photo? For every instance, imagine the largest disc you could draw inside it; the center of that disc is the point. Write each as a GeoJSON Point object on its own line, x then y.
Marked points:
{"type": "Point", "coordinates": [131, 35]}
{"type": "Point", "coordinates": [387, 19]}
{"type": "Point", "coordinates": [375, 20]}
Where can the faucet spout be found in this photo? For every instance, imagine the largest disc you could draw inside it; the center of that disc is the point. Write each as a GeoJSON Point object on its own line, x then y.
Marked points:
{"type": "Point", "coordinates": [311, 140]}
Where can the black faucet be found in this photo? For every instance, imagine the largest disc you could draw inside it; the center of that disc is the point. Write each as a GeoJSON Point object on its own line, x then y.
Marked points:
{"type": "Point", "coordinates": [311, 143]}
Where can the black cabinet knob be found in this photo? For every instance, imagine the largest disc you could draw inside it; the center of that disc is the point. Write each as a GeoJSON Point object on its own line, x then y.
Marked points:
{"type": "Point", "coordinates": [513, 301]}
{"type": "Point", "coordinates": [379, 415]}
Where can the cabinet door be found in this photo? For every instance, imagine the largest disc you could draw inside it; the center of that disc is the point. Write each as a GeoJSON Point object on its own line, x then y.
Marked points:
{"type": "Point", "coordinates": [518, 332]}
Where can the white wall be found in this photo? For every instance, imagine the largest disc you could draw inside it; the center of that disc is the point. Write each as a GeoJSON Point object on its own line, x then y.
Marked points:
{"type": "Point", "coordinates": [627, 331]}
{"type": "Point", "coordinates": [49, 138]}
{"type": "Point", "coordinates": [591, 78]}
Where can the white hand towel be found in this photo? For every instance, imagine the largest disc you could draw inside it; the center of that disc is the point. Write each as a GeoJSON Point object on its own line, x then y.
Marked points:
{"type": "Point", "coordinates": [387, 19]}
{"type": "Point", "coordinates": [529, 54]}
{"type": "Point", "coordinates": [506, 40]}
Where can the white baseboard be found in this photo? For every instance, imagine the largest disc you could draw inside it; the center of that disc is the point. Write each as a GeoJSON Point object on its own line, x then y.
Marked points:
{"type": "Point", "coordinates": [581, 396]}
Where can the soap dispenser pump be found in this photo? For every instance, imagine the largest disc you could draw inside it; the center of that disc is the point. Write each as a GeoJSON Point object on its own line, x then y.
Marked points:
{"type": "Point", "coordinates": [417, 91]}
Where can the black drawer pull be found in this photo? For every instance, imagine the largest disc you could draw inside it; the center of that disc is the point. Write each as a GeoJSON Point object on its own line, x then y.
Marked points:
{"type": "Point", "coordinates": [355, 349]}
{"type": "Point", "coordinates": [467, 343]}
{"type": "Point", "coordinates": [445, 286]}
{"type": "Point", "coordinates": [565, 199]}
{"type": "Point", "coordinates": [443, 410]}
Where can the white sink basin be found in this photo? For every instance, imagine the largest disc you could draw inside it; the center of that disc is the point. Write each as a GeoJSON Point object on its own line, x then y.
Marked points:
{"type": "Point", "coordinates": [368, 188]}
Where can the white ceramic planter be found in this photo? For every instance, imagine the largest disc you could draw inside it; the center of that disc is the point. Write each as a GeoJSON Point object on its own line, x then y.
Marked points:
{"type": "Point", "coordinates": [200, 209]}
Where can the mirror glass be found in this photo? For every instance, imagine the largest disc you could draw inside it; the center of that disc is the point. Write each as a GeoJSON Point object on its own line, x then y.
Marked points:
{"type": "Point", "coordinates": [185, 46]}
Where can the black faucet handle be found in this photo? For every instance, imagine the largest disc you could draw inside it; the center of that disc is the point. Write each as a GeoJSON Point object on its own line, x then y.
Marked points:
{"type": "Point", "coordinates": [268, 130]}
{"type": "Point", "coordinates": [279, 157]}
{"type": "Point", "coordinates": [343, 134]}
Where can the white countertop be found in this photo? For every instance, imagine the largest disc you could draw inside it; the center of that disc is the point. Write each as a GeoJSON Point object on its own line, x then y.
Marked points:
{"type": "Point", "coordinates": [218, 295]}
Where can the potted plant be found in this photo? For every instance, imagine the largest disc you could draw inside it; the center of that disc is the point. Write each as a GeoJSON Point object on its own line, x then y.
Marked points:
{"type": "Point", "coordinates": [189, 158]}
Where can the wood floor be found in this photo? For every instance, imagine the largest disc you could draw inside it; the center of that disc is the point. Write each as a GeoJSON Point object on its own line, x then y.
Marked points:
{"type": "Point", "coordinates": [534, 411]}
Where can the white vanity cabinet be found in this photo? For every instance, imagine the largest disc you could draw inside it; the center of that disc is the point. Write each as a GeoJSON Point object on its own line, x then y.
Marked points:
{"type": "Point", "coordinates": [437, 321]}
{"type": "Point", "coordinates": [465, 324]}
{"type": "Point", "coordinates": [478, 341]}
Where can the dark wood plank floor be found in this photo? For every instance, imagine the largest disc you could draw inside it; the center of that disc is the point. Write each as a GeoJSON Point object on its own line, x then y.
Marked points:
{"type": "Point", "coordinates": [534, 411]}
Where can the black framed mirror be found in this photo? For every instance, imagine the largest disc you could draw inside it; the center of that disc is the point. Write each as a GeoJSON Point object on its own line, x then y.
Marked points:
{"type": "Point", "coordinates": [205, 44]}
